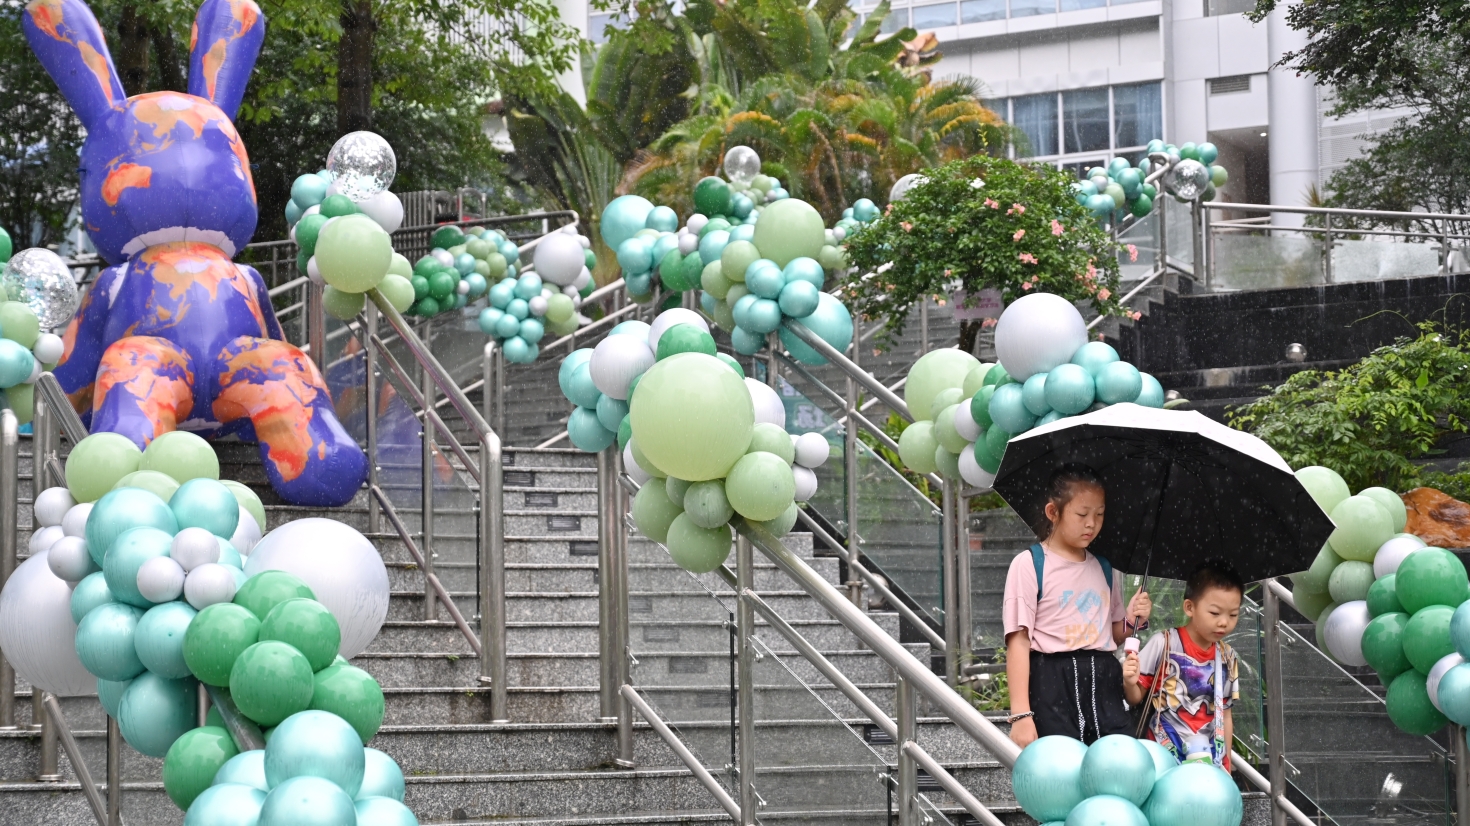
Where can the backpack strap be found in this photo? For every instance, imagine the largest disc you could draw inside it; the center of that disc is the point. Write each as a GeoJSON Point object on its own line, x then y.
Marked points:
{"type": "Point", "coordinates": [1038, 558]}
{"type": "Point", "coordinates": [1107, 568]}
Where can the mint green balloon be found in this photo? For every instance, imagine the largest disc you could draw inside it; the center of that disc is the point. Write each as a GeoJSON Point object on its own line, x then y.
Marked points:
{"type": "Point", "coordinates": [943, 399]}
{"type": "Point", "coordinates": [344, 306]}
{"type": "Point", "coordinates": [159, 484]}
{"type": "Point", "coordinates": [640, 459]}
{"type": "Point", "coordinates": [770, 438]}
{"type": "Point", "coordinates": [944, 431]}
{"type": "Point", "coordinates": [18, 322]}
{"type": "Point", "coordinates": [653, 513]}
{"type": "Point", "coordinates": [97, 463]}
{"type": "Point", "coordinates": [353, 253]}
{"type": "Point", "coordinates": [789, 228]}
{"type": "Point", "coordinates": [1350, 581]}
{"type": "Point", "coordinates": [935, 372]}
{"type": "Point", "coordinates": [1325, 485]}
{"type": "Point", "coordinates": [207, 504]}
{"type": "Point", "coordinates": [1362, 526]}
{"type": "Point", "coordinates": [916, 446]}
{"type": "Point", "coordinates": [1310, 603]}
{"type": "Point", "coordinates": [781, 525]}
{"type": "Point", "coordinates": [946, 463]}
{"type": "Point", "coordinates": [760, 486]}
{"type": "Point", "coordinates": [697, 549]}
{"type": "Point", "coordinates": [1391, 503]}
{"type": "Point", "coordinates": [692, 417]}
{"type": "Point", "coordinates": [182, 455]}
{"type": "Point", "coordinates": [249, 501]}
{"type": "Point", "coordinates": [735, 259]}
{"type": "Point", "coordinates": [706, 504]}
{"type": "Point", "coordinates": [974, 380]}
{"type": "Point", "coordinates": [1315, 578]}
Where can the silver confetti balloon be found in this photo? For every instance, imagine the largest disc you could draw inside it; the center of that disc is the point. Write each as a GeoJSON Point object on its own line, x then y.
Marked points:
{"type": "Point", "coordinates": [38, 278]}
{"type": "Point", "coordinates": [742, 164]}
{"type": "Point", "coordinates": [363, 164]}
{"type": "Point", "coordinates": [1187, 180]}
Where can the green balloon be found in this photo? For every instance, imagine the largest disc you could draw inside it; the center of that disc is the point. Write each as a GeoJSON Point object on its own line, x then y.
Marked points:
{"type": "Point", "coordinates": [1362, 526]}
{"type": "Point", "coordinates": [216, 638]}
{"type": "Point", "coordinates": [789, 229]}
{"type": "Point", "coordinates": [684, 338]}
{"type": "Point", "coordinates": [697, 549]}
{"type": "Point", "coordinates": [980, 404]}
{"type": "Point", "coordinates": [1427, 637]}
{"type": "Point", "coordinates": [6, 246]}
{"type": "Point", "coordinates": [653, 513]}
{"type": "Point", "coordinates": [1432, 576]}
{"type": "Point", "coordinates": [706, 505]}
{"type": "Point", "coordinates": [307, 230]}
{"type": "Point", "coordinates": [181, 455]}
{"type": "Point", "coordinates": [692, 416]}
{"type": "Point", "coordinates": [671, 271]}
{"type": "Point", "coordinates": [946, 463]}
{"type": "Point", "coordinates": [559, 308]}
{"type": "Point", "coordinates": [1350, 581]}
{"type": "Point", "coordinates": [271, 681]}
{"type": "Point", "coordinates": [769, 438]}
{"type": "Point", "coordinates": [398, 290]}
{"type": "Point", "coordinates": [1218, 175]}
{"type": "Point", "coordinates": [935, 372]}
{"type": "Point", "coordinates": [336, 206]}
{"type": "Point", "coordinates": [944, 431]}
{"type": "Point", "coordinates": [1141, 206]}
{"type": "Point", "coordinates": [1391, 503]}
{"type": "Point", "coordinates": [1315, 578]}
{"type": "Point", "coordinates": [1409, 707]}
{"type": "Point", "coordinates": [249, 501]}
{"type": "Point", "coordinates": [711, 196]}
{"type": "Point", "coordinates": [263, 592]}
{"type": "Point", "coordinates": [760, 486]}
{"type": "Point", "coordinates": [353, 695]}
{"type": "Point", "coordinates": [353, 253]}
{"type": "Point", "coordinates": [730, 362]}
{"type": "Point", "coordinates": [22, 400]}
{"type": "Point", "coordinates": [945, 398]}
{"type": "Point", "coordinates": [427, 307]}
{"type": "Point", "coordinates": [1325, 486]}
{"type": "Point", "coordinates": [19, 323]}
{"type": "Point", "coordinates": [713, 281]}
{"type": "Point", "coordinates": [96, 464]}
{"type": "Point", "coordinates": [307, 626]}
{"type": "Point", "coordinates": [1310, 603]}
{"type": "Point", "coordinates": [984, 457]}
{"type": "Point", "coordinates": [446, 237]}
{"type": "Point", "coordinates": [781, 525]}
{"type": "Point", "coordinates": [916, 446]}
{"type": "Point", "coordinates": [735, 259]}
{"type": "Point", "coordinates": [1383, 597]}
{"type": "Point", "coordinates": [159, 484]}
{"type": "Point", "coordinates": [996, 441]}
{"type": "Point", "coordinates": [192, 762]}
{"type": "Point", "coordinates": [997, 376]}
{"type": "Point", "coordinates": [691, 270]}
{"type": "Point", "coordinates": [974, 380]}
{"type": "Point", "coordinates": [1383, 645]}
{"type": "Point", "coordinates": [675, 489]}
{"type": "Point", "coordinates": [442, 285]}
{"type": "Point", "coordinates": [399, 266]}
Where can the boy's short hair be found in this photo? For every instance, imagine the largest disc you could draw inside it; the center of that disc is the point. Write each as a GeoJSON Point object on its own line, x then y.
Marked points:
{"type": "Point", "coordinates": [1212, 573]}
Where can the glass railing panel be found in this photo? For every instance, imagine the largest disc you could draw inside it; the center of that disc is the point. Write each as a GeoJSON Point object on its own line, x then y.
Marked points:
{"type": "Point", "coordinates": [1371, 259]}
{"type": "Point", "coordinates": [899, 529]}
{"type": "Point", "coordinates": [1143, 237]}
{"type": "Point", "coordinates": [1261, 262]}
{"type": "Point", "coordinates": [1178, 229]}
{"type": "Point", "coordinates": [996, 537]}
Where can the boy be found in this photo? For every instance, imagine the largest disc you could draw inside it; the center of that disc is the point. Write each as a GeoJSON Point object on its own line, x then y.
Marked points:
{"type": "Point", "coordinates": [1190, 691]}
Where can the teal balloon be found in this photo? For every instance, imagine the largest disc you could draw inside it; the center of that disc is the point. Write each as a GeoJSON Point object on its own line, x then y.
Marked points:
{"type": "Point", "coordinates": [207, 504]}
{"type": "Point", "coordinates": [121, 510]}
{"type": "Point", "coordinates": [712, 244]}
{"type": "Point", "coordinates": [315, 744]}
{"type": "Point", "coordinates": [1459, 628]}
{"type": "Point", "coordinates": [799, 299]}
{"type": "Point", "coordinates": [1008, 409]}
{"type": "Point", "coordinates": [586, 432]}
{"type": "Point", "coordinates": [662, 218]}
{"type": "Point", "coordinates": [383, 811]}
{"type": "Point", "coordinates": [763, 316]}
{"type": "Point", "coordinates": [1106, 810]}
{"type": "Point", "coordinates": [1118, 765]}
{"type": "Point", "coordinates": [1094, 355]}
{"type": "Point", "coordinates": [623, 217]}
{"type": "Point", "coordinates": [579, 388]}
{"type": "Point", "coordinates": [159, 639]}
{"type": "Point", "coordinates": [830, 321]}
{"type": "Point", "coordinates": [156, 711]}
{"type": "Point", "coordinates": [228, 804]}
{"type": "Point", "coordinates": [110, 694]}
{"type": "Point", "coordinates": [91, 592]}
{"type": "Point", "coordinates": [246, 768]}
{"type": "Point", "coordinates": [1070, 389]}
{"type": "Point", "coordinates": [805, 269]}
{"type": "Point", "coordinates": [228, 555]}
{"type": "Point", "coordinates": [1033, 395]}
{"type": "Point", "coordinates": [1207, 153]}
{"type": "Point", "coordinates": [105, 642]}
{"type": "Point", "coordinates": [764, 279]}
{"type": "Point", "coordinates": [1194, 794]}
{"type": "Point", "coordinates": [1163, 758]}
{"type": "Point", "coordinates": [381, 776]}
{"type": "Point", "coordinates": [1118, 382]}
{"type": "Point", "coordinates": [127, 555]}
{"type": "Point", "coordinates": [1454, 694]}
{"type": "Point", "coordinates": [1152, 394]}
{"type": "Point", "coordinates": [1049, 418]}
{"type": "Point", "coordinates": [308, 801]}
{"type": "Point", "coordinates": [610, 412]}
{"type": "Point", "coordinates": [747, 343]}
{"type": "Point", "coordinates": [1047, 777]}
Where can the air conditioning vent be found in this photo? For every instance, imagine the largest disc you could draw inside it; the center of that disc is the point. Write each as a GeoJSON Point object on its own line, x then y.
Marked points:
{"type": "Point", "coordinates": [1230, 85]}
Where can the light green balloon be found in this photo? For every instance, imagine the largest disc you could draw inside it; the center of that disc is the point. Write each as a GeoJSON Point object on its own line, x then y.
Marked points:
{"type": "Point", "coordinates": [697, 549]}
{"type": "Point", "coordinates": [675, 489]}
{"type": "Point", "coordinates": [1310, 603]}
{"type": "Point", "coordinates": [712, 279]}
{"type": "Point", "coordinates": [182, 455]}
{"type": "Point", "coordinates": [692, 417]}
{"type": "Point", "coordinates": [559, 308]}
{"type": "Point", "coordinates": [1315, 577]}
{"type": "Point", "coordinates": [400, 266]}
{"type": "Point", "coordinates": [946, 463]}
{"type": "Point", "coordinates": [22, 401]}
{"type": "Point", "coordinates": [916, 447]}
{"type": "Point", "coordinates": [706, 504]}
{"type": "Point", "coordinates": [1350, 581]}
{"type": "Point", "coordinates": [97, 463]}
{"type": "Point", "coordinates": [934, 372]}
{"type": "Point", "coordinates": [19, 323]}
{"type": "Point", "coordinates": [159, 484]}
{"type": "Point", "coordinates": [735, 258]}
{"type": "Point", "coordinates": [398, 290]}
{"type": "Point", "coordinates": [787, 229]}
{"type": "Point", "coordinates": [353, 253]}
{"type": "Point", "coordinates": [974, 380]}
{"type": "Point", "coordinates": [344, 306]}
{"type": "Point", "coordinates": [770, 438]}
{"type": "Point", "coordinates": [1326, 487]}
{"type": "Point", "coordinates": [1362, 526]}
{"type": "Point", "coordinates": [949, 438]}
{"type": "Point", "coordinates": [942, 399]}
{"type": "Point", "coordinates": [760, 486]}
{"type": "Point", "coordinates": [249, 501]}
{"type": "Point", "coordinates": [1391, 503]}
{"type": "Point", "coordinates": [653, 512]}
{"type": "Point", "coordinates": [781, 525]}
{"type": "Point", "coordinates": [724, 316]}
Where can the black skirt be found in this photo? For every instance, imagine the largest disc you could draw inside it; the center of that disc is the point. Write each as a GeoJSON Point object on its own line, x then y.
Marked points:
{"type": "Point", "coordinates": [1078, 694]}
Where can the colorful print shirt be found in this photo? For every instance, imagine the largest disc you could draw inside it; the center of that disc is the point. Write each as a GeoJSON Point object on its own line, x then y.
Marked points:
{"type": "Point", "coordinates": [1185, 703]}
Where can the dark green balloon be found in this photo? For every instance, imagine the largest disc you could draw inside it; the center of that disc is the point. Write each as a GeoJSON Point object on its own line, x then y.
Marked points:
{"type": "Point", "coordinates": [996, 376]}
{"type": "Point", "coordinates": [420, 287]}
{"type": "Point", "coordinates": [1409, 707]}
{"type": "Point", "coordinates": [691, 270]}
{"type": "Point", "coordinates": [731, 360]}
{"type": "Point", "coordinates": [307, 230]}
{"type": "Point", "coordinates": [685, 338]}
{"type": "Point", "coordinates": [335, 206]}
{"type": "Point", "coordinates": [1383, 645]}
{"type": "Point", "coordinates": [671, 271]}
{"type": "Point", "coordinates": [995, 442]}
{"type": "Point", "coordinates": [267, 589]}
{"type": "Point", "coordinates": [711, 196]}
{"type": "Point", "coordinates": [307, 626]}
{"type": "Point", "coordinates": [303, 259]}
{"type": "Point", "coordinates": [426, 307]}
{"type": "Point", "coordinates": [270, 682]}
{"type": "Point", "coordinates": [446, 237]}
{"type": "Point", "coordinates": [217, 636]}
{"type": "Point", "coordinates": [625, 431]}
{"type": "Point", "coordinates": [353, 695]}
{"type": "Point", "coordinates": [442, 284]}
{"type": "Point", "coordinates": [980, 402]}
{"type": "Point", "coordinates": [1432, 576]}
{"type": "Point", "coordinates": [1383, 597]}
{"type": "Point", "coordinates": [1427, 637]}
{"type": "Point", "coordinates": [193, 761]}
{"type": "Point", "coordinates": [426, 266]}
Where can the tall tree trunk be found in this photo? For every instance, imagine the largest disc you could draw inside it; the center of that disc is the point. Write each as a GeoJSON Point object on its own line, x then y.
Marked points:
{"type": "Point", "coordinates": [132, 52]}
{"type": "Point", "coordinates": [170, 69]}
{"type": "Point", "coordinates": [969, 335]}
{"type": "Point", "coordinates": [355, 67]}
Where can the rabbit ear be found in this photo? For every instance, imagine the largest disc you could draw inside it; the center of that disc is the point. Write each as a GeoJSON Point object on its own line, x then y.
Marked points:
{"type": "Point", "coordinates": [222, 51]}
{"type": "Point", "coordinates": [68, 41]}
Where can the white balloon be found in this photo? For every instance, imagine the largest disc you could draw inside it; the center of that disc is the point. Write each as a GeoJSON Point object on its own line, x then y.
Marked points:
{"type": "Point", "coordinates": [964, 423]}
{"type": "Point", "coordinates": [313, 272]}
{"type": "Point", "coordinates": [37, 634]}
{"type": "Point", "coordinates": [247, 533]}
{"type": "Point", "coordinates": [385, 209]}
{"type": "Point", "coordinates": [688, 242]}
{"type": "Point", "coordinates": [583, 279]}
{"type": "Point", "coordinates": [631, 467]}
{"type": "Point", "coordinates": [768, 406]}
{"type": "Point", "coordinates": [51, 506]}
{"type": "Point", "coordinates": [585, 242]}
{"type": "Point", "coordinates": [1441, 668]}
{"type": "Point", "coordinates": [901, 186]}
{"type": "Point", "coordinates": [806, 483]}
{"type": "Point", "coordinates": [812, 450]}
{"type": "Point", "coordinates": [35, 374]}
{"type": "Point", "coordinates": [1392, 553]}
{"type": "Point", "coordinates": [311, 210]}
{"type": "Point", "coordinates": [193, 547]}
{"type": "Point", "coordinates": [538, 305]}
{"type": "Point", "coordinates": [209, 584]}
{"type": "Point", "coordinates": [160, 579]}
{"type": "Point", "coordinates": [669, 318]}
{"type": "Point", "coordinates": [696, 222]}
{"type": "Point", "coordinates": [44, 538]}
{"type": "Point", "coordinates": [69, 559]}
{"type": "Point", "coordinates": [971, 471]}
{"type": "Point", "coordinates": [75, 521]}
{"type": "Point", "coordinates": [462, 288]}
{"type": "Point", "coordinates": [1344, 632]}
{"type": "Point", "coordinates": [48, 348]}
{"type": "Point", "coordinates": [1037, 333]}
{"type": "Point", "coordinates": [340, 566]}
{"type": "Point", "coordinates": [616, 361]}
{"type": "Point", "coordinates": [559, 258]}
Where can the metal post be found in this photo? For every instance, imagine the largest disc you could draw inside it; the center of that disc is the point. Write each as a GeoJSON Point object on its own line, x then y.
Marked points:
{"type": "Point", "coordinates": [201, 704]}
{"type": "Point", "coordinates": [50, 759]}
{"type": "Point", "coordinates": [114, 773]}
{"type": "Point", "coordinates": [493, 667]}
{"type": "Point", "coordinates": [949, 569]}
{"type": "Point", "coordinates": [1462, 776]}
{"type": "Point", "coordinates": [608, 653]}
{"type": "Point", "coordinates": [924, 326]}
{"type": "Point", "coordinates": [850, 448]}
{"type": "Point", "coordinates": [1275, 712]}
{"type": "Point", "coordinates": [1163, 218]}
{"type": "Point", "coordinates": [619, 571]}
{"type": "Point", "coordinates": [370, 401]}
{"type": "Point", "coordinates": [430, 394]}
{"type": "Point", "coordinates": [745, 652]}
{"type": "Point", "coordinates": [487, 383]}
{"type": "Point", "coordinates": [1327, 248]}
{"type": "Point", "coordinates": [1196, 230]}
{"type": "Point", "coordinates": [43, 445]}
{"type": "Point", "coordinates": [963, 619]}
{"type": "Point", "coordinates": [316, 325]}
{"type": "Point", "coordinates": [9, 527]}
{"type": "Point", "coordinates": [908, 774]}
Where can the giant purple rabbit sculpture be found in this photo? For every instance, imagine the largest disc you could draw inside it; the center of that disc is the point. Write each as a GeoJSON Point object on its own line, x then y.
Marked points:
{"type": "Point", "coordinates": [174, 334]}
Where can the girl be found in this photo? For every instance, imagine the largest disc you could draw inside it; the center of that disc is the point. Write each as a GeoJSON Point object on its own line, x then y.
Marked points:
{"type": "Point", "coordinates": [1063, 618]}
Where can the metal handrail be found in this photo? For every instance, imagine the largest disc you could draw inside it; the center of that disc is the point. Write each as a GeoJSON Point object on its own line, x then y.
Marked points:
{"type": "Point", "coordinates": [74, 754]}
{"type": "Point", "coordinates": [418, 557]}
{"type": "Point", "coordinates": [682, 751]}
{"type": "Point", "coordinates": [1361, 213]}
{"type": "Point", "coordinates": [1258, 780]}
{"type": "Point", "coordinates": [846, 365]}
{"type": "Point", "coordinates": [60, 406]}
{"type": "Point", "coordinates": [9, 541]}
{"type": "Point", "coordinates": [956, 789]}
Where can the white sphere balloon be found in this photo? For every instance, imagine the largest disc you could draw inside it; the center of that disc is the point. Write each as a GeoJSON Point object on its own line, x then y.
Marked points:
{"type": "Point", "coordinates": [616, 361]}
{"type": "Point", "coordinates": [48, 348]}
{"type": "Point", "coordinates": [44, 538]}
{"type": "Point", "coordinates": [247, 533]}
{"type": "Point", "coordinates": [768, 406]}
{"type": "Point", "coordinates": [340, 566]}
{"type": "Point", "coordinates": [669, 318]}
{"type": "Point", "coordinates": [964, 423]}
{"type": "Point", "coordinates": [583, 279]}
{"type": "Point", "coordinates": [1344, 632]}
{"type": "Point", "coordinates": [538, 305]}
{"type": "Point", "coordinates": [741, 164]}
{"type": "Point", "coordinates": [806, 483]}
{"type": "Point", "coordinates": [209, 584]}
{"type": "Point", "coordinates": [37, 634]}
{"type": "Point", "coordinates": [75, 521]}
{"type": "Point", "coordinates": [971, 471]}
{"type": "Point", "coordinates": [559, 257]}
{"type": "Point", "coordinates": [314, 272]}
{"type": "Point", "coordinates": [631, 467]}
{"type": "Point", "coordinates": [696, 222]}
{"type": "Point", "coordinates": [193, 547]}
{"type": "Point", "coordinates": [1392, 553]}
{"type": "Point", "coordinates": [51, 506]}
{"type": "Point", "coordinates": [688, 242]}
{"type": "Point", "coordinates": [385, 209]}
{"type": "Point", "coordinates": [69, 559]}
{"type": "Point", "coordinates": [812, 450]}
{"type": "Point", "coordinates": [160, 579]}
{"type": "Point", "coordinates": [1037, 333]}
{"type": "Point", "coordinates": [1437, 673]}
{"type": "Point", "coordinates": [901, 186]}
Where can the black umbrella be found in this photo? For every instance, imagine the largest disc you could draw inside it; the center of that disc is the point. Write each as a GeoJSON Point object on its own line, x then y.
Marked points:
{"type": "Point", "coordinates": [1181, 488]}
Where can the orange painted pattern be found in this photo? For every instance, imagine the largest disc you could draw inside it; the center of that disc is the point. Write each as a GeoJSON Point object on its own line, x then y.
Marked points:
{"type": "Point", "coordinates": [125, 176]}
{"type": "Point", "coordinates": [166, 110]}
{"type": "Point", "coordinates": [182, 264]}
{"type": "Point", "coordinates": [276, 385]}
{"type": "Point", "coordinates": [100, 66]}
{"type": "Point", "coordinates": [213, 61]}
{"type": "Point", "coordinates": [245, 14]}
{"type": "Point", "coordinates": [48, 15]}
{"type": "Point", "coordinates": [153, 371]}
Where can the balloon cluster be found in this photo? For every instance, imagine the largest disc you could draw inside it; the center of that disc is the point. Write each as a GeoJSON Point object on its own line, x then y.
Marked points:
{"type": "Point", "coordinates": [966, 412]}
{"type": "Point", "coordinates": [1120, 781]}
{"type": "Point", "coordinates": [37, 295]}
{"type": "Point", "coordinates": [1382, 598]}
{"type": "Point", "coordinates": [543, 297]}
{"type": "Point", "coordinates": [1119, 188]}
{"type": "Point", "coordinates": [360, 168]}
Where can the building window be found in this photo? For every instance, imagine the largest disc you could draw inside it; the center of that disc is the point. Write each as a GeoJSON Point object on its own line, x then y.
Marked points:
{"type": "Point", "coordinates": [1036, 117]}
{"type": "Point", "coordinates": [1083, 126]}
{"type": "Point", "coordinates": [1027, 8]}
{"type": "Point", "coordinates": [598, 24]}
{"type": "Point", "coordinates": [935, 16]}
{"type": "Point", "coordinates": [979, 11]}
{"type": "Point", "coordinates": [1085, 120]}
{"type": "Point", "coordinates": [1138, 114]}
{"type": "Point", "coordinates": [1076, 5]}
{"type": "Point", "coordinates": [896, 19]}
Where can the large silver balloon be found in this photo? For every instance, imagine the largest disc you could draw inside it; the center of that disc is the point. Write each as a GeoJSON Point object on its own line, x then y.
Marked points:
{"type": "Point", "coordinates": [1187, 180]}
{"type": "Point", "coordinates": [39, 279]}
{"type": "Point", "coordinates": [901, 186]}
{"type": "Point", "coordinates": [363, 165]}
{"type": "Point", "coordinates": [742, 164]}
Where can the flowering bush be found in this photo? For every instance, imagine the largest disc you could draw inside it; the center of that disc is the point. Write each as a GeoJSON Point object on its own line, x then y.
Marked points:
{"type": "Point", "coordinates": [982, 223]}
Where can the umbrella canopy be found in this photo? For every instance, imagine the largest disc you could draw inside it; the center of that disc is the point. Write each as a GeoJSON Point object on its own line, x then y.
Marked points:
{"type": "Point", "coordinates": [1181, 488]}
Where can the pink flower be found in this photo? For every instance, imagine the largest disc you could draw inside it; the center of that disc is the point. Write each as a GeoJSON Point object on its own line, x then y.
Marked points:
{"type": "Point", "coordinates": [1026, 285]}
{"type": "Point", "coordinates": [1020, 233]}
{"type": "Point", "coordinates": [1035, 279]}
{"type": "Point", "coordinates": [1136, 316]}
{"type": "Point", "coordinates": [1027, 258]}
{"type": "Point", "coordinates": [1056, 227]}
{"type": "Point", "coordinates": [1103, 294]}
{"type": "Point", "coordinates": [987, 322]}
{"type": "Point", "coordinates": [992, 203]}
{"type": "Point", "coordinates": [907, 227]}
{"type": "Point", "coordinates": [947, 273]}
{"type": "Point", "coordinates": [1017, 209]}
{"type": "Point", "coordinates": [1132, 252]}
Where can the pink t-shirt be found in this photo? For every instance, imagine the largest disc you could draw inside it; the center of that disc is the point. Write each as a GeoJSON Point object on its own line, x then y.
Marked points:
{"type": "Point", "coordinates": [1073, 613]}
